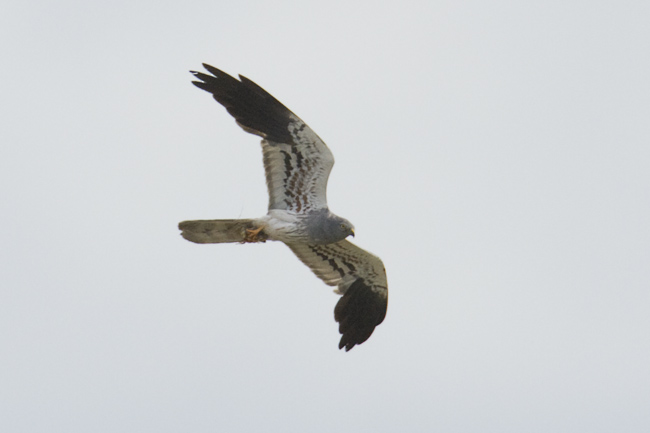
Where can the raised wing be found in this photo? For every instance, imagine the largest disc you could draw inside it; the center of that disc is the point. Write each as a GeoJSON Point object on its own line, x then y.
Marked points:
{"type": "Point", "coordinates": [361, 279]}
{"type": "Point", "coordinates": [296, 160]}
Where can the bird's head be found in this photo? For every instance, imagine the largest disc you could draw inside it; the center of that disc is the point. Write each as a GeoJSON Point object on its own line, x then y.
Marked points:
{"type": "Point", "coordinates": [346, 227]}
{"type": "Point", "coordinates": [327, 228]}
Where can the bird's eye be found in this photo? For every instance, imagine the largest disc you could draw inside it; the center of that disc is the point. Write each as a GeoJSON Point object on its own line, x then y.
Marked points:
{"type": "Point", "coordinates": [343, 227]}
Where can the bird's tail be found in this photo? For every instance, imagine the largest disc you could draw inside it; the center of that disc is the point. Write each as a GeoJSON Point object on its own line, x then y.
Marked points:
{"type": "Point", "coordinates": [220, 231]}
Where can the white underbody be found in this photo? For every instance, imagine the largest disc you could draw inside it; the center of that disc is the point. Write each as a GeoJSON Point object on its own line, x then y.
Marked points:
{"type": "Point", "coordinates": [283, 225]}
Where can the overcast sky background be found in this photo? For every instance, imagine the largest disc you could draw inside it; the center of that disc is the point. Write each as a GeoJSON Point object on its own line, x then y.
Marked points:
{"type": "Point", "coordinates": [494, 154]}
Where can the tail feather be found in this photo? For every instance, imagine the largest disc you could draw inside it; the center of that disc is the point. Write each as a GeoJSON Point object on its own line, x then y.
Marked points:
{"type": "Point", "coordinates": [216, 231]}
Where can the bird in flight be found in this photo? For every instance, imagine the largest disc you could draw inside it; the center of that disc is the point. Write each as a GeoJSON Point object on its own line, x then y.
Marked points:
{"type": "Point", "coordinates": [297, 164]}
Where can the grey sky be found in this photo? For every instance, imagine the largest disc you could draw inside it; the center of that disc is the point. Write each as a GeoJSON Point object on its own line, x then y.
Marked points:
{"type": "Point", "coordinates": [494, 155]}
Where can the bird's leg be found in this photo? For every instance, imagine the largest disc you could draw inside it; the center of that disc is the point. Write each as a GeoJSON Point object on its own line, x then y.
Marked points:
{"type": "Point", "coordinates": [253, 235]}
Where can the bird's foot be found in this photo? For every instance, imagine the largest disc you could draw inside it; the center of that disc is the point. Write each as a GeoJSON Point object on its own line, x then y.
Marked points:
{"type": "Point", "coordinates": [255, 235]}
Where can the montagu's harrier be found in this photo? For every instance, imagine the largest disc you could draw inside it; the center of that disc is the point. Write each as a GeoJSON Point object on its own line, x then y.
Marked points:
{"type": "Point", "coordinates": [297, 164]}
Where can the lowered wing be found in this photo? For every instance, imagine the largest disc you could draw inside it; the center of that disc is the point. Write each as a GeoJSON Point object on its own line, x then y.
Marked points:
{"type": "Point", "coordinates": [361, 279]}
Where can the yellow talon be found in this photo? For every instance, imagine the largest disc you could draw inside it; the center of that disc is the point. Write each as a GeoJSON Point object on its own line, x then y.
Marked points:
{"type": "Point", "coordinates": [252, 235]}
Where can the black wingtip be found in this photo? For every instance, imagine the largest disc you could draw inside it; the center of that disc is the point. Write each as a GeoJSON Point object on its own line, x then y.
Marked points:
{"type": "Point", "coordinates": [359, 312]}
{"type": "Point", "coordinates": [214, 71]}
{"type": "Point", "coordinates": [254, 108]}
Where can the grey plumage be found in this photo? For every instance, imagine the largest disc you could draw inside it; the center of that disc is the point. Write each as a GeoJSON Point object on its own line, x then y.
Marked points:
{"type": "Point", "coordinates": [297, 165]}
{"type": "Point", "coordinates": [216, 231]}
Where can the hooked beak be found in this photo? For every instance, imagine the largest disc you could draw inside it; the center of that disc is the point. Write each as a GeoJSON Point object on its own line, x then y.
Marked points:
{"type": "Point", "coordinates": [352, 232]}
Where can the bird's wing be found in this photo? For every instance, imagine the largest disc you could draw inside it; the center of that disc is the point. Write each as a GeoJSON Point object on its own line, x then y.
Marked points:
{"type": "Point", "coordinates": [361, 279]}
{"type": "Point", "coordinates": [296, 160]}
